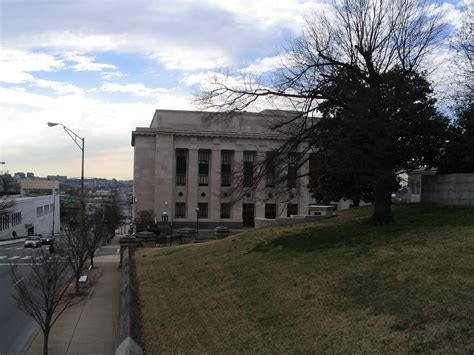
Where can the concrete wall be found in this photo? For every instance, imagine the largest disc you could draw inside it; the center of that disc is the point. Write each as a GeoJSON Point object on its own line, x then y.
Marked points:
{"type": "Point", "coordinates": [450, 189]}
{"type": "Point", "coordinates": [29, 217]}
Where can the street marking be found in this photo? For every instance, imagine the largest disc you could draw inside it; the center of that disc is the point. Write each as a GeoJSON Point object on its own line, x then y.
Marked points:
{"type": "Point", "coordinates": [14, 257]}
{"type": "Point", "coordinates": [10, 248]}
{"type": "Point", "coordinates": [20, 248]}
{"type": "Point", "coordinates": [26, 257]}
{"type": "Point", "coordinates": [3, 256]}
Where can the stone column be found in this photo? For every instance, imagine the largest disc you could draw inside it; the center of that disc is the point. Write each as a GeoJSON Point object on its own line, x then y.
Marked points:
{"type": "Point", "coordinates": [164, 176]}
{"type": "Point", "coordinates": [236, 215]}
{"type": "Point", "coordinates": [215, 186]}
{"type": "Point", "coordinates": [260, 192]}
{"type": "Point", "coordinates": [303, 192]}
{"type": "Point", "coordinates": [192, 184]}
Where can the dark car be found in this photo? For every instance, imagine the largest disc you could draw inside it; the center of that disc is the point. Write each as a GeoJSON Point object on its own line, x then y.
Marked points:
{"type": "Point", "coordinates": [33, 242]}
{"type": "Point", "coordinates": [46, 239]}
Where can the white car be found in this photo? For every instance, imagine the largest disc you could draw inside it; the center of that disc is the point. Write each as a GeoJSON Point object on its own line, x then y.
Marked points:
{"type": "Point", "coordinates": [33, 242]}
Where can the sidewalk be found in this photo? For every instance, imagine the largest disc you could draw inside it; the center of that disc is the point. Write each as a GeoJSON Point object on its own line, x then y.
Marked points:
{"type": "Point", "coordinates": [12, 241]}
{"type": "Point", "coordinates": [89, 327]}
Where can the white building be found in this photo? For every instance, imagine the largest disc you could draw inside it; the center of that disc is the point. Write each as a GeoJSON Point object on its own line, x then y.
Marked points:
{"type": "Point", "coordinates": [185, 161]}
{"type": "Point", "coordinates": [30, 216]}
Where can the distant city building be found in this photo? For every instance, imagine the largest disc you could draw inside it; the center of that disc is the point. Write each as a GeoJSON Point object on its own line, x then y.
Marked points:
{"type": "Point", "coordinates": [30, 175]}
{"type": "Point", "coordinates": [19, 176]}
{"type": "Point", "coordinates": [39, 187]}
{"type": "Point", "coordinates": [183, 162]}
{"type": "Point", "coordinates": [30, 216]}
{"type": "Point", "coordinates": [60, 178]}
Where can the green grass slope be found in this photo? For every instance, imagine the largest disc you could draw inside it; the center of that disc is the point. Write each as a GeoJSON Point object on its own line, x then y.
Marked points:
{"type": "Point", "coordinates": [337, 286]}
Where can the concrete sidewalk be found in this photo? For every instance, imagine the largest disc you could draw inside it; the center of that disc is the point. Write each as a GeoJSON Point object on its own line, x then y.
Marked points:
{"type": "Point", "coordinates": [89, 327]}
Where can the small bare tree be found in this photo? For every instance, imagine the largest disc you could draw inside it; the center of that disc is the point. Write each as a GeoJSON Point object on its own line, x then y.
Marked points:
{"type": "Point", "coordinates": [41, 290]}
{"type": "Point", "coordinates": [97, 234]}
{"type": "Point", "coordinates": [76, 252]}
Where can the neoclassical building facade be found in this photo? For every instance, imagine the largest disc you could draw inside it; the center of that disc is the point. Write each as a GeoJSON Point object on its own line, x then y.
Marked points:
{"type": "Point", "coordinates": [186, 161]}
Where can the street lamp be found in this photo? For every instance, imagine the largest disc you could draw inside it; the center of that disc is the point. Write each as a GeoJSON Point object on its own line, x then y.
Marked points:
{"type": "Point", "coordinates": [197, 222]}
{"type": "Point", "coordinates": [80, 143]}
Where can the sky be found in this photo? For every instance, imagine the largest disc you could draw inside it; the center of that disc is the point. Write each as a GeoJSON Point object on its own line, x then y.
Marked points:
{"type": "Point", "coordinates": [102, 67]}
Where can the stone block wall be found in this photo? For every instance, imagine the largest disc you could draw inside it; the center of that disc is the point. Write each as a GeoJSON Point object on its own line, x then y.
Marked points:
{"type": "Point", "coordinates": [449, 189]}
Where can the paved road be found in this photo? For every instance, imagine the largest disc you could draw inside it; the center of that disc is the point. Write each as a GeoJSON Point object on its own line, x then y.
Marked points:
{"type": "Point", "coordinates": [15, 326]}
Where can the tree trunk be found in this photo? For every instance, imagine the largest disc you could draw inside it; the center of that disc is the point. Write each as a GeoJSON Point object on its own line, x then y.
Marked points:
{"type": "Point", "coordinates": [45, 341]}
{"type": "Point", "coordinates": [92, 260]}
{"type": "Point", "coordinates": [382, 204]}
{"type": "Point", "coordinates": [77, 283]}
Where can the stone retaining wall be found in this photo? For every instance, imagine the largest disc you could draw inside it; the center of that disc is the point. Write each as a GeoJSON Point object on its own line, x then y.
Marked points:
{"type": "Point", "coordinates": [449, 189]}
{"type": "Point", "coordinates": [266, 222]}
{"type": "Point", "coordinates": [129, 338]}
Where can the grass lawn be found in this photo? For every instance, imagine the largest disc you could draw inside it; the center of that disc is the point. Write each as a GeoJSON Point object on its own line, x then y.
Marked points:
{"type": "Point", "coordinates": [336, 286]}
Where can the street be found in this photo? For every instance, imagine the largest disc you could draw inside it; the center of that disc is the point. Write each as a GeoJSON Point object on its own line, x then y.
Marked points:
{"type": "Point", "coordinates": [15, 326]}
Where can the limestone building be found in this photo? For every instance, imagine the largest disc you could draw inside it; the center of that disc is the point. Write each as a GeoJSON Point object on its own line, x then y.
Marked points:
{"type": "Point", "coordinates": [185, 161]}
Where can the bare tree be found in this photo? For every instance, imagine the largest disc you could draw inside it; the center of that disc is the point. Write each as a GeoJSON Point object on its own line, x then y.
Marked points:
{"type": "Point", "coordinates": [6, 205]}
{"type": "Point", "coordinates": [76, 252]}
{"type": "Point", "coordinates": [364, 39]}
{"type": "Point", "coordinates": [41, 290]}
{"type": "Point", "coordinates": [97, 234]}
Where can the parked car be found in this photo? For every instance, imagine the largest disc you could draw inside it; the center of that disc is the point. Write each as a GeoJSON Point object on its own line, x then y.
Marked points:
{"type": "Point", "coordinates": [46, 239]}
{"type": "Point", "coordinates": [33, 242]}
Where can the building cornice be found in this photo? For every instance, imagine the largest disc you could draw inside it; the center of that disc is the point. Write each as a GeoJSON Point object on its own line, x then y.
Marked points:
{"type": "Point", "coordinates": [208, 134]}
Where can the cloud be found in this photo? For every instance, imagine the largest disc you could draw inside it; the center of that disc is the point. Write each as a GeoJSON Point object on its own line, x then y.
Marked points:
{"type": "Point", "coordinates": [85, 63]}
{"type": "Point", "coordinates": [137, 88]}
{"type": "Point", "coordinates": [267, 64]}
{"type": "Point", "coordinates": [16, 65]}
{"type": "Point", "coordinates": [58, 87]}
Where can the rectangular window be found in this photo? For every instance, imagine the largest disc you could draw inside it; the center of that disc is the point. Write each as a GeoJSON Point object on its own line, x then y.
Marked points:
{"type": "Point", "coordinates": [204, 157]}
{"type": "Point", "coordinates": [270, 210]}
{"type": "Point", "coordinates": [46, 209]}
{"type": "Point", "coordinates": [180, 210]}
{"type": "Point", "coordinates": [249, 160]}
{"type": "Point", "coordinates": [226, 167]}
{"type": "Point", "coordinates": [39, 211]}
{"type": "Point", "coordinates": [181, 163]}
{"type": "Point", "coordinates": [16, 218]}
{"type": "Point", "coordinates": [292, 169]}
{"type": "Point", "coordinates": [225, 210]}
{"type": "Point", "coordinates": [270, 169]}
{"type": "Point", "coordinates": [203, 210]}
{"type": "Point", "coordinates": [5, 222]}
{"type": "Point", "coordinates": [291, 208]}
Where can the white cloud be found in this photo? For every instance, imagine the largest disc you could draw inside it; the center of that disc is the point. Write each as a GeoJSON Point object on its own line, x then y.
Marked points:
{"type": "Point", "coordinates": [136, 88]}
{"type": "Point", "coordinates": [110, 75]}
{"type": "Point", "coordinates": [265, 65]}
{"type": "Point", "coordinates": [85, 63]}
{"type": "Point", "coordinates": [16, 65]}
{"type": "Point", "coordinates": [58, 87]}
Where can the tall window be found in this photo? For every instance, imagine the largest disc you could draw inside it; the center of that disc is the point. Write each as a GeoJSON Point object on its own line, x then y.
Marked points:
{"type": "Point", "coordinates": [204, 157]}
{"type": "Point", "coordinates": [203, 210]}
{"type": "Point", "coordinates": [4, 222]}
{"type": "Point", "coordinates": [270, 210]}
{"type": "Point", "coordinates": [249, 160]}
{"type": "Point", "coordinates": [270, 168]}
{"type": "Point", "coordinates": [226, 167]}
{"type": "Point", "coordinates": [292, 169]}
{"type": "Point", "coordinates": [291, 208]}
{"type": "Point", "coordinates": [225, 210]}
{"type": "Point", "coordinates": [181, 158]}
{"type": "Point", "coordinates": [39, 211]}
{"type": "Point", "coordinates": [180, 210]}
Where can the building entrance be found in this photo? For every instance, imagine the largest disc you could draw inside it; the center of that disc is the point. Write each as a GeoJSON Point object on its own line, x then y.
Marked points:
{"type": "Point", "coordinates": [248, 214]}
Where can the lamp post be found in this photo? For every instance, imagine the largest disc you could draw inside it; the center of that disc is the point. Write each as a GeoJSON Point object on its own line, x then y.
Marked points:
{"type": "Point", "coordinates": [197, 222]}
{"type": "Point", "coordinates": [79, 141]}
